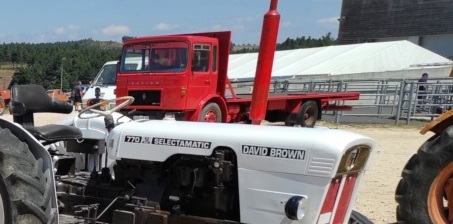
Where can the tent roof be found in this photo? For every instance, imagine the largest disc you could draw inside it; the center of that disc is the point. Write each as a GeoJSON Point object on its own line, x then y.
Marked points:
{"type": "Point", "coordinates": [339, 60]}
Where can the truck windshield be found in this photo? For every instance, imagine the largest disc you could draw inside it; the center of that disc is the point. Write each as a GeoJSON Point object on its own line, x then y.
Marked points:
{"type": "Point", "coordinates": [106, 76]}
{"type": "Point", "coordinates": [159, 57]}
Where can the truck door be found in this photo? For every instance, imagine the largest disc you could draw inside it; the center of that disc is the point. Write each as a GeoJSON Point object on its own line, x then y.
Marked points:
{"type": "Point", "coordinates": [203, 78]}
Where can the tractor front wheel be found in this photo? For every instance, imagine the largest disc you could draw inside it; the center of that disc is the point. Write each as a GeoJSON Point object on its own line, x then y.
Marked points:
{"type": "Point", "coordinates": [211, 113]}
{"type": "Point", "coordinates": [26, 192]}
{"type": "Point", "coordinates": [358, 218]}
{"type": "Point", "coordinates": [425, 192]}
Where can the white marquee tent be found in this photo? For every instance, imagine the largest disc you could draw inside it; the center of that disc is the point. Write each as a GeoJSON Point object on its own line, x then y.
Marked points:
{"type": "Point", "coordinates": [396, 59]}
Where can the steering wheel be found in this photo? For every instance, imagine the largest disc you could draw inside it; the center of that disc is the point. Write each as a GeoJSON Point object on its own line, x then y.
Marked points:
{"type": "Point", "coordinates": [98, 113]}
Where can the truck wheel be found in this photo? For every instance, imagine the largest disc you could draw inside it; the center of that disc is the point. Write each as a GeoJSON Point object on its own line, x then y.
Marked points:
{"type": "Point", "coordinates": [2, 105]}
{"type": "Point", "coordinates": [211, 113]}
{"type": "Point", "coordinates": [308, 114]}
{"type": "Point", "coordinates": [358, 218]}
{"type": "Point", "coordinates": [26, 191]}
{"type": "Point", "coordinates": [425, 192]}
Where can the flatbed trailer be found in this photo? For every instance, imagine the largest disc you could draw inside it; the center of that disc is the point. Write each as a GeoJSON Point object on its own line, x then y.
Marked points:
{"type": "Point", "coordinates": [286, 106]}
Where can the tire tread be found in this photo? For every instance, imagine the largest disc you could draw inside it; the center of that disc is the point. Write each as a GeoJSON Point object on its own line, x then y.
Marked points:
{"type": "Point", "coordinates": [30, 188]}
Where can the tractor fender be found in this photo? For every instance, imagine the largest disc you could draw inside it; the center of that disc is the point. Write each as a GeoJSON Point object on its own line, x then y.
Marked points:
{"type": "Point", "coordinates": [36, 148]}
{"type": "Point", "coordinates": [439, 124]}
{"type": "Point", "coordinates": [215, 99]}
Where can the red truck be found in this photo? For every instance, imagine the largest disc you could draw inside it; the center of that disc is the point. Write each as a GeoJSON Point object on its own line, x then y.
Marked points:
{"type": "Point", "coordinates": [186, 74]}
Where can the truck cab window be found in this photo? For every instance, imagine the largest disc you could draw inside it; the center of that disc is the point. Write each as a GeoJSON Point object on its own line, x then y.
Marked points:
{"type": "Point", "coordinates": [156, 57]}
{"type": "Point", "coordinates": [136, 53]}
{"type": "Point", "coordinates": [200, 58]}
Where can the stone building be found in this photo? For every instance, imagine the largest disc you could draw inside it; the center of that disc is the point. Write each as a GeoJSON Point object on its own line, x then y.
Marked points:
{"type": "Point", "coordinates": [427, 23]}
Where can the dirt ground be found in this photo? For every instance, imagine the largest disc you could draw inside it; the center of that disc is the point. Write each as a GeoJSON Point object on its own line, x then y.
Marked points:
{"type": "Point", "coordinates": [394, 146]}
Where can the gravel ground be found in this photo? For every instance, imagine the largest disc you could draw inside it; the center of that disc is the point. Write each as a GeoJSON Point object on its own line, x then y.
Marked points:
{"type": "Point", "coordinates": [395, 145]}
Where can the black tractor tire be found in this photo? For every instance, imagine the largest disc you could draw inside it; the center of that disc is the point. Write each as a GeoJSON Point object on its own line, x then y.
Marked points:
{"type": "Point", "coordinates": [358, 218]}
{"type": "Point", "coordinates": [211, 108]}
{"type": "Point", "coordinates": [26, 190]}
{"type": "Point", "coordinates": [2, 105]}
{"type": "Point", "coordinates": [421, 175]}
{"type": "Point", "coordinates": [308, 114]}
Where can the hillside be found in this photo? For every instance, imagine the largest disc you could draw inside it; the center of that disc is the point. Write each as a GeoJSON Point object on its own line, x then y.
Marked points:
{"type": "Point", "coordinates": [100, 44]}
{"type": "Point", "coordinates": [54, 64]}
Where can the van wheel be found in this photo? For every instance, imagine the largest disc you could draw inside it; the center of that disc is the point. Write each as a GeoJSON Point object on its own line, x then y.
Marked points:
{"type": "Point", "coordinates": [26, 191]}
{"type": "Point", "coordinates": [211, 113]}
{"type": "Point", "coordinates": [308, 114]}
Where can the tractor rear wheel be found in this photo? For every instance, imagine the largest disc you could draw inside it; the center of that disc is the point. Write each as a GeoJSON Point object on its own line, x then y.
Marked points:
{"type": "Point", "coordinates": [425, 192]}
{"type": "Point", "coordinates": [211, 113]}
{"type": "Point", "coordinates": [26, 192]}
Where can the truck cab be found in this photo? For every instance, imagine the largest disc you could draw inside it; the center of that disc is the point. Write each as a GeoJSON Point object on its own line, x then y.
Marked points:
{"type": "Point", "coordinates": [178, 73]}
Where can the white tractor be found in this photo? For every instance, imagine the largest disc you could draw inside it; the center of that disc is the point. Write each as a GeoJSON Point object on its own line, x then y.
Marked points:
{"type": "Point", "coordinates": [167, 171]}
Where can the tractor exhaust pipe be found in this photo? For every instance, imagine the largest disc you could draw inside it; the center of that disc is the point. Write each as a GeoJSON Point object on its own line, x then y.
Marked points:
{"type": "Point", "coordinates": [263, 73]}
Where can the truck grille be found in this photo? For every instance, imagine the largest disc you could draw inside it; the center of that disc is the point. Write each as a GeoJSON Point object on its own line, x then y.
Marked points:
{"type": "Point", "coordinates": [146, 97]}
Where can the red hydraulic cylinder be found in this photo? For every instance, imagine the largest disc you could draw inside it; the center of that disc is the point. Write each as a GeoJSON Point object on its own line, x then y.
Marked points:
{"type": "Point", "coordinates": [263, 73]}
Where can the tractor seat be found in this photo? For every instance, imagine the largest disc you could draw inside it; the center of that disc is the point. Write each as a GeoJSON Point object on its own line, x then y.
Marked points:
{"type": "Point", "coordinates": [54, 132]}
{"type": "Point", "coordinates": [29, 99]}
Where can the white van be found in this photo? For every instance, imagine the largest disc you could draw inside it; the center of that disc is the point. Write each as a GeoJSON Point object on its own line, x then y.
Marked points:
{"type": "Point", "coordinates": [106, 81]}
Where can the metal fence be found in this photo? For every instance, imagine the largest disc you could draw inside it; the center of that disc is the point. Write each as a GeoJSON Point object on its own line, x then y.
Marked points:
{"type": "Point", "coordinates": [398, 100]}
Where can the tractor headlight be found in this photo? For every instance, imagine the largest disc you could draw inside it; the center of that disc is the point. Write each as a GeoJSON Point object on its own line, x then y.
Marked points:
{"type": "Point", "coordinates": [354, 160]}
{"type": "Point", "coordinates": [294, 207]}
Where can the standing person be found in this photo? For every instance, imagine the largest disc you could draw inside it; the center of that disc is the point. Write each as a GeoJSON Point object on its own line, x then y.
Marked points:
{"type": "Point", "coordinates": [424, 79]}
{"type": "Point", "coordinates": [78, 95]}
{"type": "Point", "coordinates": [422, 89]}
{"type": "Point", "coordinates": [97, 94]}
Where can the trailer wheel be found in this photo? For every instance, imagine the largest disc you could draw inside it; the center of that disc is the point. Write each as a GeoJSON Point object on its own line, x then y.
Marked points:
{"type": "Point", "coordinates": [308, 114]}
{"type": "Point", "coordinates": [25, 190]}
{"type": "Point", "coordinates": [211, 113]}
{"type": "Point", "coordinates": [425, 192]}
{"type": "Point", "coordinates": [2, 105]}
{"type": "Point", "coordinates": [358, 218]}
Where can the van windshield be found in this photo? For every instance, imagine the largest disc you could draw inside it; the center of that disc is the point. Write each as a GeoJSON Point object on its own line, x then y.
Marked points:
{"type": "Point", "coordinates": [106, 76]}
{"type": "Point", "coordinates": [155, 57]}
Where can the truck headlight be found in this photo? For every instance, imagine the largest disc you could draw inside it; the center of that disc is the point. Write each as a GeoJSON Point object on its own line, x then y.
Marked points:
{"type": "Point", "coordinates": [294, 207]}
{"type": "Point", "coordinates": [354, 160]}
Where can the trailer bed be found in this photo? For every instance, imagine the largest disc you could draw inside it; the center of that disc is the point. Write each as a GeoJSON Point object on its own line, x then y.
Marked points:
{"type": "Point", "coordinates": [323, 97]}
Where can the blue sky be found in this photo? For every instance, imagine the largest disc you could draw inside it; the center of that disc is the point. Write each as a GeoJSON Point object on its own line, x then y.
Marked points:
{"type": "Point", "coordinates": [33, 21]}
